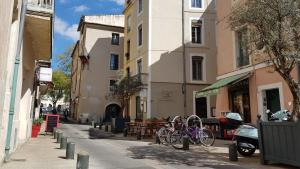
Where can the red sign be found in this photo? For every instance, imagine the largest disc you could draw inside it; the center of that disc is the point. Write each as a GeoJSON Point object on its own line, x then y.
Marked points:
{"type": "Point", "coordinates": [51, 122]}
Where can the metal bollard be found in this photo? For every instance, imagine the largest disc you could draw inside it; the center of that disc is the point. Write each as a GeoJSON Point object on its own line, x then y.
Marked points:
{"type": "Point", "coordinates": [82, 160]}
{"type": "Point", "coordinates": [106, 127]}
{"type": "Point", "coordinates": [93, 124]}
{"type": "Point", "coordinates": [55, 134]}
{"type": "Point", "coordinates": [157, 140]}
{"type": "Point", "coordinates": [70, 150]}
{"type": "Point", "coordinates": [54, 130]}
{"type": "Point", "coordinates": [233, 156]}
{"type": "Point", "coordinates": [59, 136]}
{"type": "Point", "coordinates": [139, 135]}
{"type": "Point", "coordinates": [100, 126]}
{"type": "Point", "coordinates": [125, 132]}
{"type": "Point", "coordinates": [186, 143]}
{"type": "Point", "coordinates": [63, 142]}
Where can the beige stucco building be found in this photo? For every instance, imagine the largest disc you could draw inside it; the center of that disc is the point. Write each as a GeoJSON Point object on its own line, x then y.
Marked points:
{"type": "Point", "coordinates": [170, 45]}
{"type": "Point", "coordinates": [25, 38]}
{"type": "Point", "coordinates": [250, 85]}
{"type": "Point", "coordinates": [96, 60]}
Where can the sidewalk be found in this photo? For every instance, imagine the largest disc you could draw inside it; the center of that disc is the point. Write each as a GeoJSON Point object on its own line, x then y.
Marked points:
{"type": "Point", "coordinates": [40, 153]}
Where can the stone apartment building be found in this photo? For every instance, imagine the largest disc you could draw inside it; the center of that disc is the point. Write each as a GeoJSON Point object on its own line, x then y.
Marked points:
{"type": "Point", "coordinates": [170, 46]}
{"type": "Point", "coordinates": [96, 60]}
{"type": "Point", "coordinates": [25, 39]}
{"type": "Point", "coordinates": [247, 84]}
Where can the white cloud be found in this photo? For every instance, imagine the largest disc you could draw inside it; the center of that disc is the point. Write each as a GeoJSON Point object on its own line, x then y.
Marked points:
{"type": "Point", "coordinates": [119, 2]}
{"type": "Point", "coordinates": [81, 8]}
{"type": "Point", "coordinates": [66, 30]}
{"type": "Point", "coordinates": [62, 1]}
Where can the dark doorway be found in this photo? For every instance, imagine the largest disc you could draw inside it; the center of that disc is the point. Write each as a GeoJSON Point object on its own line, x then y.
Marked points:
{"type": "Point", "coordinates": [240, 100]}
{"type": "Point", "coordinates": [112, 111]}
{"type": "Point", "coordinates": [273, 100]}
{"type": "Point", "coordinates": [139, 113]}
{"type": "Point", "coordinates": [201, 107]}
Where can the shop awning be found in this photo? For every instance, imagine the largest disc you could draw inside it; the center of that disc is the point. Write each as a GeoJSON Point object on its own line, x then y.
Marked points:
{"type": "Point", "coordinates": [214, 88]}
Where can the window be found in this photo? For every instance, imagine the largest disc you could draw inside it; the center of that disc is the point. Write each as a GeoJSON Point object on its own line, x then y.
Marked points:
{"type": "Point", "coordinates": [140, 6]}
{"type": "Point", "coordinates": [128, 23]}
{"type": "Point", "coordinates": [197, 66]}
{"type": "Point", "coordinates": [112, 85]}
{"type": "Point", "coordinates": [242, 50]}
{"type": "Point", "coordinates": [139, 66]}
{"type": "Point", "coordinates": [128, 50]}
{"type": "Point", "coordinates": [196, 31]}
{"type": "Point", "coordinates": [115, 40]}
{"type": "Point", "coordinates": [128, 72]}
{"type": "Point", "coordinates": [196, 3]}
{"type": "Point", "coordinates": [140, 35]}
{"type": "Point", "coordinates": [114, 62]}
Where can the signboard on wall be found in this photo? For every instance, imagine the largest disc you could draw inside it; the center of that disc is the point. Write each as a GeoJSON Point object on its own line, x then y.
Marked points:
{"type": "Point", "coordinates": [45, 74]}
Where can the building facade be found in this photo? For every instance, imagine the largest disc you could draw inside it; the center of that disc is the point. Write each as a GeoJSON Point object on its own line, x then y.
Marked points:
{"type": "Point", "coordinates": [170, 45]}
{"type": "Point", "coordinates": [247, 84]}
{"type": "Point", "coordinates": [25, 38]}
{"type": "Point", "coordinates": [96, 60]}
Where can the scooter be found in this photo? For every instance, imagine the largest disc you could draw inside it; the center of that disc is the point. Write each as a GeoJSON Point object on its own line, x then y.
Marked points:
{"type": "Point", "coordinates": [246, 135]}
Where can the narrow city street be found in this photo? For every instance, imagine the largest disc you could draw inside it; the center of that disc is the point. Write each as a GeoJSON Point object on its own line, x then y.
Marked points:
{"type": "Point", "coordinates": [117, 153]}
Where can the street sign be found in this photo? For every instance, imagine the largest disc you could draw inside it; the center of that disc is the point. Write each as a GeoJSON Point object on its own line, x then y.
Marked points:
{"type": "Point", "coordinates": [51, 122]}
{"type": "Point", "coordinates": [45, 74]}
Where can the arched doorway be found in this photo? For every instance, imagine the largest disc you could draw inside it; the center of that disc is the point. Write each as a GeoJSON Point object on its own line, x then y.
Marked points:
{"type": "Point", "coordinates": [112, 111]}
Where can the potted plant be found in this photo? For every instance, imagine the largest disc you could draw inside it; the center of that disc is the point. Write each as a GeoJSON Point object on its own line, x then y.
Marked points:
{"type": "Point", "coordinates": [36, 127]}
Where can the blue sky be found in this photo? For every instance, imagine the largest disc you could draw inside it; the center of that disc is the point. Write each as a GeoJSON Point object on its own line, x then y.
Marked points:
{"type": "Point", "coordinates": [67, 16]}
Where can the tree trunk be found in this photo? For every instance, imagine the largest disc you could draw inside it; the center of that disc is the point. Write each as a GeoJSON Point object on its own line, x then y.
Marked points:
{"type": "Point", "coordinates": [295, 90]}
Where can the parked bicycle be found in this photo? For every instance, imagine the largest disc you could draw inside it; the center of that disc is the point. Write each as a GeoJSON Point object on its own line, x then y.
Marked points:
{"type": "Point", "coordinates": [163, 133]}
{"type": "Point", "coordinates": [195, 131]}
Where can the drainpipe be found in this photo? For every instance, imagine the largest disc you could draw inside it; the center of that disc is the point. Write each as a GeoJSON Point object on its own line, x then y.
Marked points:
{"type": "Point", "coordinates": [184, 88]}
{"type": "Point", "coordinates": [15, 80]}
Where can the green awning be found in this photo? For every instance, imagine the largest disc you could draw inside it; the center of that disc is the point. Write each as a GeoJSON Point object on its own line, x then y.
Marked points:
{"type": "Point", "coordinates": [213, 89]}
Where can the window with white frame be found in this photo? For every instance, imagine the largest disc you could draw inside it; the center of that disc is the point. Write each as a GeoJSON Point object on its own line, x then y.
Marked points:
{"type": "Point", "coordinates": [114, 62]}
{"type": "Point", "coordinates": [196, 3]}
{"type": "Point", "coordinates": [140, 5]}
{"type": "Point", "coordinates": [128, 23]}
{"type": "Point", "coordinates": [115, 39]}
{"type": "Point", "coordinates": [242, 56]}
{"type": "Point", "coordinates": [196, 31]}
{"type": "Point", "coordinates": [140, 35]}
{"type": "Point", "coordinates": [197, 68]}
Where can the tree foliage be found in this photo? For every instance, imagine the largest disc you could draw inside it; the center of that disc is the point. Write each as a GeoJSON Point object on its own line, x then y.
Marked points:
{"type": "Point", "coordinates": [62, 85]}
{"type": "Point", "coordinates": [125, 87]}
{"type": "Point", "coordinates": [273, 28]}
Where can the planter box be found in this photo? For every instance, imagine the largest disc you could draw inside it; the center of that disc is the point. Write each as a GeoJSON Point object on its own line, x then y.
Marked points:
{"type": "Point", "coordinates": [35, 130]}
{"type": "Point", "coordinates": [279, 142]}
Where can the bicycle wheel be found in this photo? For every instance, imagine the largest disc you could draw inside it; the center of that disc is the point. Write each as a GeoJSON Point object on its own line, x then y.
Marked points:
{"type": "Point", "coordinates": [163, 135]}
{"type": "Point", "coordinates": [207, 137]}
{"type": "Point", "coordinates": [176, 139]}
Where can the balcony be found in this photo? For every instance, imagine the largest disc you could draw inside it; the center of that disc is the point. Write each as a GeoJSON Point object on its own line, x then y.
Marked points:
{"type": "Point", "coordinates": [141, 79]}
{"type": "Point", "coordinates": [44, 6]}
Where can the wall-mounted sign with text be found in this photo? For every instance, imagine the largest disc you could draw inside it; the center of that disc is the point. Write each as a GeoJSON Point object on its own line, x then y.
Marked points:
{"type": "Point", "coordinates": [45, 74]}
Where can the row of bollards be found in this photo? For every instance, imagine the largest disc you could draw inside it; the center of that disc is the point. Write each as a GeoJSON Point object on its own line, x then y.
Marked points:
{"type": "Point", "coordinates": [82, 157]}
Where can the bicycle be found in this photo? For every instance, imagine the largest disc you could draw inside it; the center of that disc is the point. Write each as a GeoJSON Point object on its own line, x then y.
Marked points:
{"type": "Point", "coordinates": [163, 133]}
{"type": "Point", "coordinates": [197, 134]}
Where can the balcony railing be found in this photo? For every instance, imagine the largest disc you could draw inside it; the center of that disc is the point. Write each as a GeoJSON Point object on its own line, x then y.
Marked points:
{"type": "Point", "coordinates": [41, 5]}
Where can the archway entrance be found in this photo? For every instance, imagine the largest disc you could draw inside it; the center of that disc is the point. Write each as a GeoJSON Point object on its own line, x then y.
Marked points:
{"type": "Point", "coordinates": [112, 111]}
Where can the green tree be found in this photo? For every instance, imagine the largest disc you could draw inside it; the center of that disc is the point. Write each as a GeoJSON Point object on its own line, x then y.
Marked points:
{"type": "Point", "coordinates": [61, 88]}
{"type": "Point", "coordinates": [64, 61]}
{"type": "Point", "coordinates": [273, 28]}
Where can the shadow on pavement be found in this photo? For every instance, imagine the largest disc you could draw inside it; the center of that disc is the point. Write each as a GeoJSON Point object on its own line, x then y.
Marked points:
{"type": "Point", "coordinates": [167, 155]}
